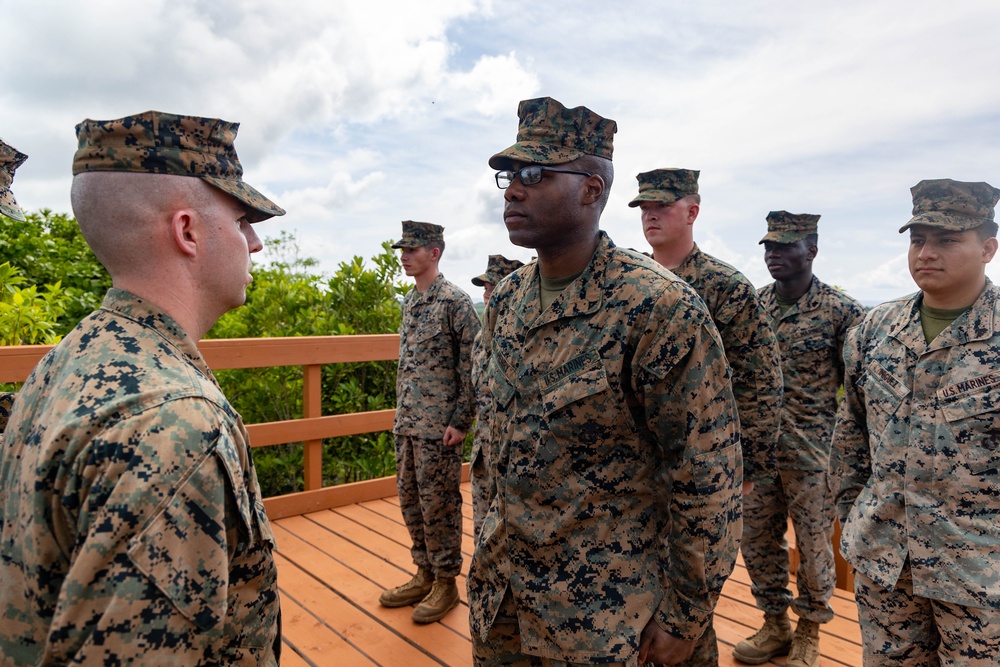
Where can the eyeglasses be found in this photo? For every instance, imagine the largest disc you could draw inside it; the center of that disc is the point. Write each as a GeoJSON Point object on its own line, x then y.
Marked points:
{"type": "Point", "coordinates": [530, 175]}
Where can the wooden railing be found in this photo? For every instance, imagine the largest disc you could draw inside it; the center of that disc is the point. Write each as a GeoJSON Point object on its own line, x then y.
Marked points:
{"type": "Point", "coordinates": [309, 352]}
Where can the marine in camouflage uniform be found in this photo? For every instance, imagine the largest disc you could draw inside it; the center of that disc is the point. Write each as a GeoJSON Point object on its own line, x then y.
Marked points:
{"type": "Point", "coordinates": [670, 204]}
{"type": "Point", "coordinates": [917, 444]}
{"type": "Point", "coordinates": [810, 320]}
{"type": "Point", "coordinates": [132, 529]}
{"type": "Point", "coordinates": [497, 267]}
{"type": "Point", "coordinates": [435, 406]}
{"type": "Point", "coordinates": [614, 443]}
{"type": "Point", "coordinates": [10, 160]}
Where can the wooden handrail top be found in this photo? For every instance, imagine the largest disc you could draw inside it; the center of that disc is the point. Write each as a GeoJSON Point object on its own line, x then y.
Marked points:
{"type": "Point", "coordinates": [16, 362]}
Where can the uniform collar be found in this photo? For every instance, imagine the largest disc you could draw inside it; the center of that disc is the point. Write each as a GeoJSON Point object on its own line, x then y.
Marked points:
{"type": "Point", "coordinates": [581, 297]}
{"type": "Point", "coordinates": [979, 322]}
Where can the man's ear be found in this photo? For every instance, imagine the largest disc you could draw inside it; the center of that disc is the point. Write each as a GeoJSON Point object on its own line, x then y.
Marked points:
{"type": "Point", "coordinates": [812, 252]}
{"type": "Point", "coordinates": [593, 188]}
{"type": "Point", "coordinates": [184, 232]}
{"type": "Point", "coordinates": [693, 211]}
{"type": "Point", "coordinates": [989, 249]}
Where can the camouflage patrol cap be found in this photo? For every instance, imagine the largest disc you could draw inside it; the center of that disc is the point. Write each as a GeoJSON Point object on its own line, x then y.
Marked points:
{"type": "Point", "coordinates": [954, 205]}
{"type": "Point", "coordinates": [417, 234]}
{"type": "Point", "coordinates": [497, 267]}
{"type": "Point", "coordinates": [10, 160]}
{"type": "Point", "coordinates": [548, 133]}
{"type": "Point", "coordinates": [665, 186]}
{"type": "Point", "coordinates": [785, 227]}
{"type": "Point", "coordinates": [162, 143]}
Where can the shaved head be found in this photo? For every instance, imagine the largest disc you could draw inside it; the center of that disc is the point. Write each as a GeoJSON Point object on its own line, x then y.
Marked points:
{"type": "Point", "coordinates": [124, 216]}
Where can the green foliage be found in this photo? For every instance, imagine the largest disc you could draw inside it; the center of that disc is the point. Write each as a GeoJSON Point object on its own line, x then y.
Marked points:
{"type": "Point", "coordinates": [49, 250]}
{"type": "Point", "coordinates": [288, 298]}
{"type": "Point", "coordinates": [27, 316]}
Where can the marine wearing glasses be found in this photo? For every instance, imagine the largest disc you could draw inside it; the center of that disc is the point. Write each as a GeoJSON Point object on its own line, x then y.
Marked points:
{"type": "Point", "coordinates": [530, 175]}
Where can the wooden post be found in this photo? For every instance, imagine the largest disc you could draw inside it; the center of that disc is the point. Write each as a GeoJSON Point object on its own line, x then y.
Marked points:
{"type": "Point", "coordinates": [312, 406]}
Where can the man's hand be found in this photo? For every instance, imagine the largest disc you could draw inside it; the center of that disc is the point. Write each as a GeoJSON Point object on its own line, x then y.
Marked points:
{"type": "Point", "coordinates": [747, 487]}
{"type": "Point", "coordinates": [452, 436]}
{"type": "Point", "coordinates": [660, 648]}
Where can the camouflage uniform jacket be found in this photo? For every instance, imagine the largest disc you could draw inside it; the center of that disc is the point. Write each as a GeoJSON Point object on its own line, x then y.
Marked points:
{"type": "Point", "coordinates": [752, 352]}
{"type": "Point", "coordinates": [6, 405]}
{"type": "Point", "coordinates": [917, 448]}
{"type": "Point", "coordinates": [131, 524]}
{"type": "Point", "coordinates": [811, 340]}
{"type": "Point", "coordinates": [616, 461]}
{"type": "Point", "coordinates": [434, 378]}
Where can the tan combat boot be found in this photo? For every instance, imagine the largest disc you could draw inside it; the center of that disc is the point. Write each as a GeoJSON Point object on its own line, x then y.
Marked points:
{"type": "Point", "coordinates": [805, 645]}
{"type": "Point", "coordinates": [414, 590]}
{"type": "Point", "coordinates": [442, 599]}
{"type": "Point", "coordinates": [775, 638]}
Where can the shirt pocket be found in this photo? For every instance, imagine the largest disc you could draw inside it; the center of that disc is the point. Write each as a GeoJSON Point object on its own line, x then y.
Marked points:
{"type": "Point", "coordinates": [884, 394]}
{"type": "Point", "coordinates": [579, 404]}
{"type": "Point", "coordinates": [974, 422]}
{"type": "Point", "coordinates": [183, 550]}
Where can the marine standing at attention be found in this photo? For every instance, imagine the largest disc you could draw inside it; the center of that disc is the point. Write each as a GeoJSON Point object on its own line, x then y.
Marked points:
{"type": "Point", "coordinates": [670, 203]}
{"type": "Point", "coordinates": [10, 160]}
{"type": "Point", "coordinates": [810, 320]}
{"type": "Point", "coordinates": [614, 437]}
{"type": "Point", "coordinates": [435, 406]}
{"type": "Point", "coordinates": [917, 444]}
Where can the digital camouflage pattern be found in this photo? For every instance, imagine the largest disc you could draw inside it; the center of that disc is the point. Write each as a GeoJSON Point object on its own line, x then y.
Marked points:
{"type": "Point", "coordinates": [497, 267]}
{"type": "Point", "coordinates": [419, 234]}
{"type": "Point", "coordinates": [810, 340]}
{"type": "Point", "coordinates": [10, 160]}
{"type": "Point", "coordinates": [133, 529]}
{"type": "Point", "coordinates": [615, 454]}
{"type": "Point", "coordinates": [428, 481]}
{"type": "Point", "coordinates": [917, 448]}
{"type": "Point", "coordinates": [805, 496]}
{"type": "Point", "coordinates": [154, 142]}
{"type": "Point", "coordinates": [666, 185]}
{"type": "Point", "coordinates": [785, 227]}
{"type": "Point", "coordinates": [481, 483]}
{"type": "Point", "coordinates": [897, 623]}
{"type": "Point", "coordinates": [433, 391]}
{"type": "Point", "coordinates": [434, 376]}
{"type": "Point", "coordinates": [955, 205]}
{"type": "Point", "coordinates": [548, 133]}
{"type": "Point", "coordinates": [752, 351]}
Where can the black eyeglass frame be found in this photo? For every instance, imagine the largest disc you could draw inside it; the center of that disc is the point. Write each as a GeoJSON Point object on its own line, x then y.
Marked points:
{"type": "Point", "coordinates": [531, 175]}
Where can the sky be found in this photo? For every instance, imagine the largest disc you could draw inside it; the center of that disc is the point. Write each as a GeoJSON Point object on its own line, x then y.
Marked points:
{"type": "Point", "coordinates": [356, 115]}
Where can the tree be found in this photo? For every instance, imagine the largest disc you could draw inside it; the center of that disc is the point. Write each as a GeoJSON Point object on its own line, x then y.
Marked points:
{"type": "Point", "coordinates": [288, 298]}
{"type": "Point", "coordinates": [48, 249]}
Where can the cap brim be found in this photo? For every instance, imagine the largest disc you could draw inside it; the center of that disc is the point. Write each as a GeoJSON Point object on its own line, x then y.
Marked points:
{"type": "Point", "coordinates": [955, 223]}
{"type": "Point", "coordinates": [261, 208]}
{"type": "Point", "coordinates": [783, 237]}
{"type": "Point", "coordinates": [533, 152]}
{"type": "Point", "coordinates": [479, 281]}
{"type": "Point", "coordinates": [655, 197]}
{"type": "Point", "coordinates": [9, 207]}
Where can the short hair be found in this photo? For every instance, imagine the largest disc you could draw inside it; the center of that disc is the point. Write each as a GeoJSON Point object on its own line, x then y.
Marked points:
{"type": "Point", "coordinates": [436, 244]}
{"type": "Point", "coordinates": [602, 167]}
{"type": "Point", "coordinates": [695, 198]}
{"type": "Point", "coordinates": [811, 239]}
{"type": "Point", "coordinates": [987, 230]}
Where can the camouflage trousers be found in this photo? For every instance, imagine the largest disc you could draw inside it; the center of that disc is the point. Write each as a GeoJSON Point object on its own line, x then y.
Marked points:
{"type": "Point", "coordinates": [502, 645]}
{"type": "Point", "coordinates": [805, 496]}
{"type": "Point", "coordinates": [901, 629]}
{"type": "Point", "coordinates": [428, 477]}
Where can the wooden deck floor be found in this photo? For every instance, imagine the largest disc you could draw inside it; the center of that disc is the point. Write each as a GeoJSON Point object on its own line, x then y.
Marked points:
{"type": "Point", "coordinates": [333, 565]}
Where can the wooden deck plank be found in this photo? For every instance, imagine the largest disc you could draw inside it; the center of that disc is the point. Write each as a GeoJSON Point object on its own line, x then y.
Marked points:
{"type": "Point", "coordinates": [436, 639]}
{"type": "Point", "coordinates": [347, 555]}
{"type": "Point", "coordinates": [306, 630]}
{"type": "Point", "coordinates": [356, 626]}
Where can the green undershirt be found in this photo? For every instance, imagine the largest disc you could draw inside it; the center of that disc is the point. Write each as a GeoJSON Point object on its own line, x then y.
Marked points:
{"type": "Point", "coordinates": [550, 288]}
{"type": "Point", "coordinates": [784, 304]}
{"type": "Point", "coordinates": [935, 320]}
